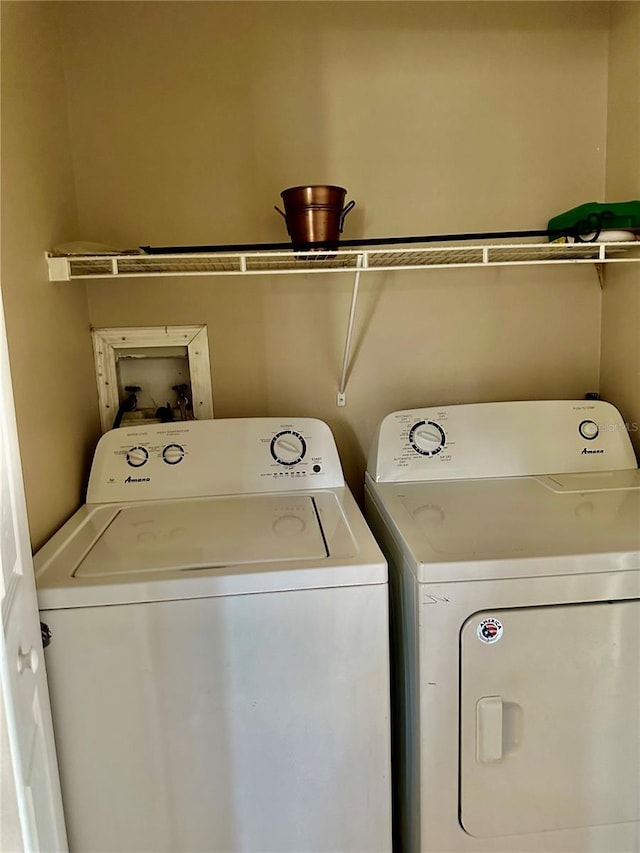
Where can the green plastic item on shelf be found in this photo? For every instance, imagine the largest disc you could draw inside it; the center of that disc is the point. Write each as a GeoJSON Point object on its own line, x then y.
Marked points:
{"type": "Point", "coordinates": [594, 217]}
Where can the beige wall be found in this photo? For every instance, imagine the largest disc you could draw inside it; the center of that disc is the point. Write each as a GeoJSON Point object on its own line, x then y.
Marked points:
{"type": "Point", "coordinates": [187, 119]}
{"type": "Point", "coordinates": [277, 344]}
{"type": "Point", "coordinates": [47, 325]}
{"type": "Point", "coordinates": [620, 369]}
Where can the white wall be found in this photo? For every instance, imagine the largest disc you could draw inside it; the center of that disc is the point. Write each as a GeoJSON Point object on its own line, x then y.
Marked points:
{"type": "Point", "coordinates": [47, 324]}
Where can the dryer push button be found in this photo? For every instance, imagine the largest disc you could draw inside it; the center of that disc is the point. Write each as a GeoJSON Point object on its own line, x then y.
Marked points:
{"type": "Point", "coordinates": [588, 430]}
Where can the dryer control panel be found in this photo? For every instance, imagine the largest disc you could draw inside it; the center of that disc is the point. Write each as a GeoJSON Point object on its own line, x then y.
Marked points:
{"type": "Point", "coordinates": [214, 457]}
{"type": "Point", "coordinates": [483, 440]}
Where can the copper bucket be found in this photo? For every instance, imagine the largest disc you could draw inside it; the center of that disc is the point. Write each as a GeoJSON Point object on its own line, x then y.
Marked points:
{"type": "Point", "coordinates": [315, 214]}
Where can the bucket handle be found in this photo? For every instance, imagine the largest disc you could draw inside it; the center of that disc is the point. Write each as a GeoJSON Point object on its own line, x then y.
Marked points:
{"type": "Point", "coordinates": [343, 214]}
{"type": "Point", "coordinates": [284, 216]}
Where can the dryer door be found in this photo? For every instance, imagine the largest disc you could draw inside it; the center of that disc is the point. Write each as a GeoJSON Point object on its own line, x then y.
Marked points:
{"type": "Point", "coordinates": [550, 729]}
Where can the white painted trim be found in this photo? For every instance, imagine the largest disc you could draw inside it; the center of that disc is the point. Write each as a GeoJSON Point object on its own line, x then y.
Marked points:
{"type": "Point", "coordinates": [107, 341]}
{"type": "Point", "coordinates": [200, 372]}
{"type": "Point", "coordinates": [31, 814]}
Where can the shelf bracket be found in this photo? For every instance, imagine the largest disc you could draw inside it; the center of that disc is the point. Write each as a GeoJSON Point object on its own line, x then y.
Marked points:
{"type": "Point", "coordinates": [58, 268]}
{"type": "Point", "coordinates": [600, 274]}
{"type": "Point", "coordinates": [341, 399]}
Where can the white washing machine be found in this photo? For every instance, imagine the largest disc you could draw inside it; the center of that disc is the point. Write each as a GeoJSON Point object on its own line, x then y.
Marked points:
{"type": "Point", "coordinates": [218, 662]}
{"type": "Point", "coordinates": [512, 532]}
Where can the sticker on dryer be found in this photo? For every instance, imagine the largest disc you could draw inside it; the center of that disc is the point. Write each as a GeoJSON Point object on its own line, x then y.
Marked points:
{"type": "Point", "coordinates": [489, 630]}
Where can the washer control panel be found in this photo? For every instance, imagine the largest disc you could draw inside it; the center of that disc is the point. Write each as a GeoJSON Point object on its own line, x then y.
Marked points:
{"type": "Point", "coordinates": [501, 440]}
{"type": "Point", "coordinates": [215, 457]}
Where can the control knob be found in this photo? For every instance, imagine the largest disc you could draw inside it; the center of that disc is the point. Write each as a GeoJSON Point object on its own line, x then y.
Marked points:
{"type": "Point", "coordinates": [288, 447]}
{"type": "Point", "coordinates": [137, 456]}
{"type": "Point", "coordinates": [173, 453]}
{"type": "Point", "coordinates": [427, 438]}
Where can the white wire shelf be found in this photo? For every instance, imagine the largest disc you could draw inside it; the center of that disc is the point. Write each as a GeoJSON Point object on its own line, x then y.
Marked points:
{"type": "Point", "coordinates": [82, 267]}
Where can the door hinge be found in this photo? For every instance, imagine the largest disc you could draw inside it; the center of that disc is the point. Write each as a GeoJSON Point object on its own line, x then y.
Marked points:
{"type": "Point", "coordinates": [45, 632]}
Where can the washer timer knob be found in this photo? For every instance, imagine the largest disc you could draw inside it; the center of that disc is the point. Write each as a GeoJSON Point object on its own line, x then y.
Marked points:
{"type": "Point", "coordinates": [288, 447]}
{"type": "Point", "coordinates": [427, 438]}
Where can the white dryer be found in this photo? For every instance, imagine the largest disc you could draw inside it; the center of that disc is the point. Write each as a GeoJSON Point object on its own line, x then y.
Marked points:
{"type": "Point", "coordinates": [218, 662]}
{"type": "Point", "coordinates": [512, 532]}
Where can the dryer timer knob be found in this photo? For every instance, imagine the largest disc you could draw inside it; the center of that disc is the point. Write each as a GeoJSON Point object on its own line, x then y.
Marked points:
{"type": "Point", "coordinates": [427, 438]}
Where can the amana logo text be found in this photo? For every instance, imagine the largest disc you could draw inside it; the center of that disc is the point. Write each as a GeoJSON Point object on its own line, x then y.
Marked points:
{"type": "Point", "coordinates": [586, 451]}
{"type": "Point", "coordinates": [138, 480]}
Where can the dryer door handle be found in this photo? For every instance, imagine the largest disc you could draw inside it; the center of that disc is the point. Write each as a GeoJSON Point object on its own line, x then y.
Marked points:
{"type": "Point", "coordinates": [489, 729]}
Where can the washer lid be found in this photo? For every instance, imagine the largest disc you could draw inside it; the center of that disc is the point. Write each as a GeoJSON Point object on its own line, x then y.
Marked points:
{"type": "Point", "coordinates": [592, 481]}
{"type": "Point", "coordinates": [203, 547]}
{"type": "Point", "coordinates": [513, 527]}
{"type": "Point", "coordinates": [208, 533]}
